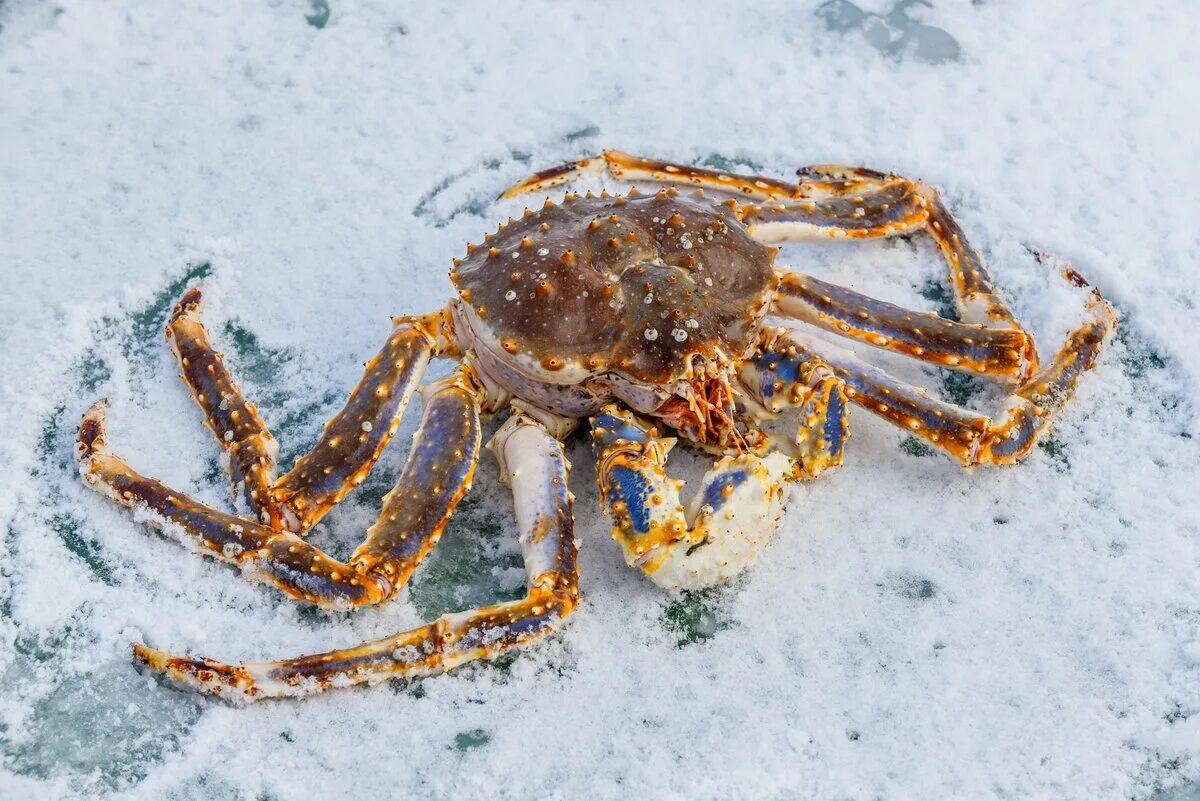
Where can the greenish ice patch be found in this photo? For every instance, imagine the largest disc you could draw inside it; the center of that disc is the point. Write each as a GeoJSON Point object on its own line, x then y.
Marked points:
{"type": "Point", "coordinates": [99, 729]}
{"type": "Point", "coordinates": [695, 616]}
{"type": "Point", "coordinates": [93, 370]}
{"type": "Point", "coordinates": [582, 133]}
{"type": "Point", "coordinates": [262, 372]}
{"type": "Point", "coordinates": [208, 785]}
{"type": "Point", "coordinates": [937, 292]}
{"type": "Point", "coordinates": [716, 161]}
{"type": "Point", "coordinates": [476, 202]}
{"type": "Point", "coordinates": [69, 529]}
{"type": "Point", "coordinates": [471, 740]}
{"type": "Point", "coordinates": [6, 573]}
{"type": "Point", "coordinates": [1138, 357]}
{"type": "Point", "coordinates": [475, 563]}
{"type": "Point", "coordinates": [909, 586]}
{"type": "Point", "coordinates": [89, 729]}
{"type": "Point", "coordinates": [956, 387]}
{"type": "Point", "coordinates": [915, 447]}
{"type": "Point", "coordinates": [318, 15]}
{"type": "Point", "coordinates": [959, 388]}
{"type": "Point", "coordinates": [1157, 389]}
{"type": "Point", "coordinates": [41, 647]}
{"type": "Point", "coordinates": [50, 444]}
{"type": "Point", "coordinates": [298, 430]}
{"type": "Point", "coordinates": [1057, 450]}
{"type": "Point", "coordinates": [894, 33]}
{"type": "Point", "coordinates": [255, 362]}
{"type": "Point", "coordinates": [146, 324]}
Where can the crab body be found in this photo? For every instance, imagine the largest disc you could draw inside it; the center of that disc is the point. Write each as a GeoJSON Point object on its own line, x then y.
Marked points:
{"type": "Point", "coordinates": [650, 300]}
{"type": "Point", "coordinates": [647, 317]}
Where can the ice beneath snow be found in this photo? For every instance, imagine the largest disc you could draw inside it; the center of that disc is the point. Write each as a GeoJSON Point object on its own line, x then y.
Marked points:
{"type": "Point", "coordinates": [915, 631]}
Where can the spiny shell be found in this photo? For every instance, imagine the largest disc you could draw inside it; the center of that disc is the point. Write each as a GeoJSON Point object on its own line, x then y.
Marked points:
{"type": "Point", "coordinates": [638, 286]}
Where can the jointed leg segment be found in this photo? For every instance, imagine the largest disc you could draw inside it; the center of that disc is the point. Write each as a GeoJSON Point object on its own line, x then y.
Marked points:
{"type": "Point", "coordinates": [1006, 354]}
{"type": "Point", "coordinates": [776, 381]}
{"type": "Point", "coordinates": [265, 554]}
{"type": "Point", "coordinates": [250, 449]}
{"type": "Point", "coordinates": [437, 475]}
{"type": "Point", "coordinates": [535, 466]}
{"type": "Point", "coordinates": [894, 207]}
{"type": "Point", "coordinates": [356, 436]}
{"type": "Point", "coordinates": [352, 440]}
{"type": "Point", "coordinates": [969, 437]}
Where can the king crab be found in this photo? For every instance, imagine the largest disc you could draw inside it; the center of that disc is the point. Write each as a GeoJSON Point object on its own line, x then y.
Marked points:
{"type": "Point", "coordinates": [646, 317]}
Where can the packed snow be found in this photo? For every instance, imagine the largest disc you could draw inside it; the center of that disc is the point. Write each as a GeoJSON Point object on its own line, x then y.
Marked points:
{"type": "Point", "coordinates": [915, 631]}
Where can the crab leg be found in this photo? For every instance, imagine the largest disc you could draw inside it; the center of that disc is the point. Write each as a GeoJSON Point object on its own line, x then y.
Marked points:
{"type": "Point", "coordinates": [534, 464]}
{"type": "Point", "coordinates": [727, 524]}
{"type": "Point", "coordinates": [352, 441]}
{"type": "Point", "coordinates": [819, 181]}
{"type": "Point", "coordinates": [263, 553]}
{"type": "Point", "coordinates": [436, 476]}
{"type": "Point", "coordinates": [969, 437]}
{"type": "Point", "coordinates": [896, 207]}
{"type": "Point", "coordinates": [356, 436]}
{"type": "Point", "coordinates": [251, 450]}
{"type": "Point", "coordinates": [1002, 353]}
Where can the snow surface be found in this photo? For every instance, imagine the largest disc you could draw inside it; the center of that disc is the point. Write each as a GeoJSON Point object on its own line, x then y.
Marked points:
{"type": "Point", "coordinates": [914, 632]}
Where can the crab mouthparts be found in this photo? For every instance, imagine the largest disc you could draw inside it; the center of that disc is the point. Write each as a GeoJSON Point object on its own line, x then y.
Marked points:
{"type": "Point", "coordinates": [703, 410]}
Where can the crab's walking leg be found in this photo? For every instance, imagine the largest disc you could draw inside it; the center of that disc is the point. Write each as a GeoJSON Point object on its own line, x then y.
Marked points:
{"type": "Point", "coordinates": [822, 182]}
{"type": "Point", "coordinates": [356, 436]}
{"type": "Point", "coordinates": [969, 437]}
{"type": "Point", "coordinates": [263, 553]}
{"type": "Point", "coordinates": [727, 524]}
{"type": "Point", "coordinates": [895, 207]}
{"type": "Point", "coordinates": [1006, 354]}
{"type": "Point", "coordinates": [251, 450]}
{"type": "Point", "coordinates": [535, 466]}
{"type": "Point", "coordinates": [436, 476]}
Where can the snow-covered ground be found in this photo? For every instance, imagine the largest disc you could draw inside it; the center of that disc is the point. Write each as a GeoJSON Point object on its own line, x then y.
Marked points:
{"type": "Point", "coordinates": [914, 632]}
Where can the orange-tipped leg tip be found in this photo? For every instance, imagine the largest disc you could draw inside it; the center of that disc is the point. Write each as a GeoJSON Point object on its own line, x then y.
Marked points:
{"type": "Point", "coordinates": [200, 675]}
{"type": "Point", "coordinates": [190, 302]}
{"type": "Point", "coordinates": [91, 429]}
{"type": "Point", "coordinates": [150, 657]}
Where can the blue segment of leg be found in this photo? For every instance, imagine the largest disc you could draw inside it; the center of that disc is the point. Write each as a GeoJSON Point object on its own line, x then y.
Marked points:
{"type": "Point", "coordinates": [835, 424]}
{"type": "Point", "coordinates": [633, 489]}
{"type": "Point", "coordinates": [773, 367]}
{"type": "Point", "coordinates": [608, 428]}
{"type": "Point", "coordinates": [714, 493]}
{"type": "Point", "coordinates": [1026, 433]}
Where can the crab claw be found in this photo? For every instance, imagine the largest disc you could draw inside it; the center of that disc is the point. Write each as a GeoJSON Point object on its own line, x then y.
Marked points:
{"type": "Point", "coordinates": [722, 531]}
